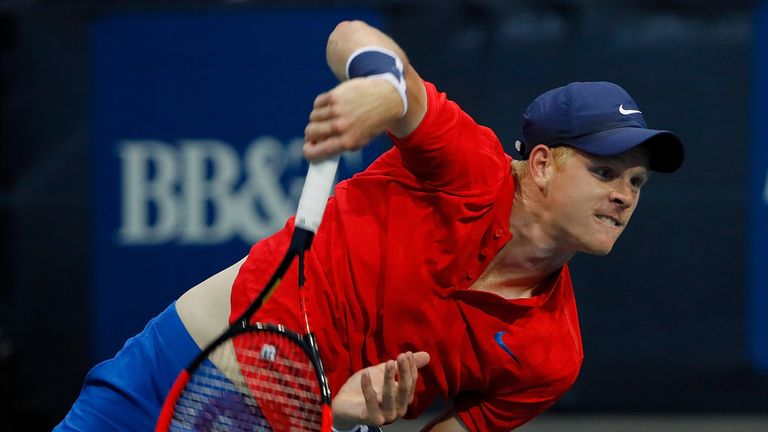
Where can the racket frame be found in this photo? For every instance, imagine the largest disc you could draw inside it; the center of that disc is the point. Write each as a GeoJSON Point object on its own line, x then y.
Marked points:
{"type": "Point", "coordinates": [308, 217]}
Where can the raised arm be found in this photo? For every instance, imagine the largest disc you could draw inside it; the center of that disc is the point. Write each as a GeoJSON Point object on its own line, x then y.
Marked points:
{"type": "Point", "coordinates": [350, 115]}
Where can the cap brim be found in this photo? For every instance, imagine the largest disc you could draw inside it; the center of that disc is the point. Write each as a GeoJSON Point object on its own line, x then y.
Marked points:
{"type": "Point", "coordinates": [666, 149]}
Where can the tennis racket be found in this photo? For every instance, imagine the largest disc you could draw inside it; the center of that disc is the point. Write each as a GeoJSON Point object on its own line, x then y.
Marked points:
{"type": "Point", "coordinates": [261, 377]}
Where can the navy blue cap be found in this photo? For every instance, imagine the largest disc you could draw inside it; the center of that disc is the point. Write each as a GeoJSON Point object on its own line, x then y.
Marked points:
{"type": "Point", "coordinates": [599, 118]}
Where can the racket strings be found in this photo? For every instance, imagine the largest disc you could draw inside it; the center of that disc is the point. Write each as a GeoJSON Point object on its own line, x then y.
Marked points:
{"type": "Point", "coordinates": [258, 381]}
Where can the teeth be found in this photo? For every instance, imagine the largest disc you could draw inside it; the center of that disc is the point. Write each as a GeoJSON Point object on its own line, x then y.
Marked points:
{"type": "Point", "coordinates": [609, 220]}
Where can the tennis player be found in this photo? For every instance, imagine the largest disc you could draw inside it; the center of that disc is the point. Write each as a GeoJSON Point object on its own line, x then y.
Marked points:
{"type": "Point", "coordinates": [439, 271]}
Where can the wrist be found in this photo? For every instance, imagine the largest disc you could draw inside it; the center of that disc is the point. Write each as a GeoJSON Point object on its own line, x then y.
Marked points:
{"type": "Point", "coordinates": [373, 62]}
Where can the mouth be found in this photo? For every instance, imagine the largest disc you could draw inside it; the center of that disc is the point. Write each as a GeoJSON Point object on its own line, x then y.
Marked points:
{"type": "Point", "coordinates": [607, 220]}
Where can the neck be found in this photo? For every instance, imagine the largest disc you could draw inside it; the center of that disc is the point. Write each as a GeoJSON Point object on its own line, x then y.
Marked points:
{"type": "Point", "coordinates": [528, 259]}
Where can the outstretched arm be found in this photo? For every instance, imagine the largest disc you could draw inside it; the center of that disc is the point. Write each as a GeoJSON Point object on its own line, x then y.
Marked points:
{"type": "Point", "coordinates": [350, 115]}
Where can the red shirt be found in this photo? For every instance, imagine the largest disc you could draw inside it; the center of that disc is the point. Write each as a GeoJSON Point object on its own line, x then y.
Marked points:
{"type": "Point", "coordinates": [390, 270]}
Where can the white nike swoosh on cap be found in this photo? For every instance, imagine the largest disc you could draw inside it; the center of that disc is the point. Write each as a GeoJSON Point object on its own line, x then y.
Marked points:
{"type": "Point", "coordinates": [628, 111]}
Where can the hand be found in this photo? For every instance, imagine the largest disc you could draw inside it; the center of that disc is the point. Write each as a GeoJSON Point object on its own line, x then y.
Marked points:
{"type": "Point", "coordinates": [350, 116]}
{"type": "Point", "coordinates": [378, 394]}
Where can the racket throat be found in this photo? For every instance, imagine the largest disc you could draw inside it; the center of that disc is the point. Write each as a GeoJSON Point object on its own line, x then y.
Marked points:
{"type": "Point", "coordinates": [300, 242]}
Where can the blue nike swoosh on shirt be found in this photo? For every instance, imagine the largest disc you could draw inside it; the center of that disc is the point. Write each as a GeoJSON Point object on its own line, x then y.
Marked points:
{"type": "Point", "coordinates": [504, 346]}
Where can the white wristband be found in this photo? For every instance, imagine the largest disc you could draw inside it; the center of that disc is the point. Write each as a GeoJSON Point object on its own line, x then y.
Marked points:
{"type": "Point", "coordinates": [379, 63]}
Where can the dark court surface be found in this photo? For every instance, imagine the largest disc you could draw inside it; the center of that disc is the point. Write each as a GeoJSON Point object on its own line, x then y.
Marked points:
{"type": "Point", "coordinates": [629, 423]}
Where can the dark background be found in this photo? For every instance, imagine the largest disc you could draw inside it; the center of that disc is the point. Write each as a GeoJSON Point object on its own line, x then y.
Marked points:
{"type": "Point", "coordinates": [664, 317]}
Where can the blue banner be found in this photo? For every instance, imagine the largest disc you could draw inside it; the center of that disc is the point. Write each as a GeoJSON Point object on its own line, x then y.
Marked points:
{"type": "Point", "coordinates": [758, 237]}
{"type": "Point", "coordinates": [197, 124]}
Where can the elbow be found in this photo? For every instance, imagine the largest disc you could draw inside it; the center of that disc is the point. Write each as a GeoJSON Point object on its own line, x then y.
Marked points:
{"type": "Point", "coordinates": [348, 28]}
{"type": "Point", "coordinates": [345, 31]}
{"type": "Point", "coordinates": [351, 35]}
{"type": "Point", "coordinates": [341, 43]}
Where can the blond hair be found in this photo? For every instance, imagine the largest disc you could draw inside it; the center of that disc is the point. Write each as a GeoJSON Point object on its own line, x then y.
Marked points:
{"type": "Point", "coordinates": [559, 156]}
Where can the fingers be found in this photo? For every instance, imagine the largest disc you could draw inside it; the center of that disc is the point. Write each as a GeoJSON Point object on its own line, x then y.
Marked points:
{"type": "Point", "coordinates": [414, 377]}
{"type": "Point", "coordinates": [317, 131]}
{"type": "Point", "coordinates": [326, 134]}
{"type": "Point", "coordinates": [389, 400]}
{"type": "Point", "coordinates": [349, 116]}
{"type": "Point", "coordinates": [323, 120]}
{"type": "Point", "coordinates": [321, 100]}
{"type": "Point", "coordinates": [316, 151]}
{"type": "Point", "coordinates": [322, 113]}
{"type": "Point", "coordinates": [399, 390]}
{"type": "Point", "coordinates": [421, 358]}
{"type": "Point", "coordinates": [405, 386]}
{"type": "Point", "coordinates": [397, 380]}
{"type": "Point", "coordinates": [371, 399]}
{"type": "Point", "coordinates": [385, 410]}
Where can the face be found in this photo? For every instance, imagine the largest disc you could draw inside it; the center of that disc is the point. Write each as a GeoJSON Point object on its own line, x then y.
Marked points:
{"type": "Point", "coordinates": [590, 199]}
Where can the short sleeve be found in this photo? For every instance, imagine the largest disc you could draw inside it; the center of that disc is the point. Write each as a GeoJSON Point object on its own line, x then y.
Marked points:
{"type": "Point", "coordinates": [449, 150]}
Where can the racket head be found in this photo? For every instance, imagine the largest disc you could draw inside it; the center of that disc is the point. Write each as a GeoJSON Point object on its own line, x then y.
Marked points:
{"type": "Point", "coordinates": [261, 377]}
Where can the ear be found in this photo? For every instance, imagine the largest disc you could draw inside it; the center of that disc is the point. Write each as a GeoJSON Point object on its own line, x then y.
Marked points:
{"type": "Point", "coordinates": [541, 165]}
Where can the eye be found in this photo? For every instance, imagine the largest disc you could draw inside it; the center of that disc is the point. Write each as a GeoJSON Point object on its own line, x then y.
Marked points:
{"type": "Point", "coordinates": [638, 182]}
{"type": "Point", "coordinates": [604, 173]}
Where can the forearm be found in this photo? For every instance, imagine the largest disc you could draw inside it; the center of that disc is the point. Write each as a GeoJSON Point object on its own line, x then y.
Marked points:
{"type": "Point", "coordinates": [349, 36]}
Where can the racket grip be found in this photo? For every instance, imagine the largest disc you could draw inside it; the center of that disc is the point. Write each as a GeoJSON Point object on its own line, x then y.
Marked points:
{"type": "Point", "coordinates": [314, 195]}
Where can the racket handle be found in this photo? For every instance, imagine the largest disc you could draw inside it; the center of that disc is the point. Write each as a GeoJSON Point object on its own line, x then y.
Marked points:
{"type": "Point", "coordinates": [314, 195]}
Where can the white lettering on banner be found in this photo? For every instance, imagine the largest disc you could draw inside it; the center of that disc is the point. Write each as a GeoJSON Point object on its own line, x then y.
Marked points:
{"type": "Point", "coordinates": [264, 204]}
{"type": "Point", "coordinates": [138, 191]}
{"type": "Point", "coordinates": [202, 192]}
{"type": "Point", "coordinates": [198, 190]}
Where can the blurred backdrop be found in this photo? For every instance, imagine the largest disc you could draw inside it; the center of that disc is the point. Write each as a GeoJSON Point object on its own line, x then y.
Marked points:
{"type": "Point", "coordinates": [144, 145]}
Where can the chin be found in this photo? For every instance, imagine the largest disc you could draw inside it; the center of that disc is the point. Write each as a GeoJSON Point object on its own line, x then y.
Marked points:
{"type": "Point", "coordinates": [600, 249]}
{"type": "Point", "coordinates": [603, 252]}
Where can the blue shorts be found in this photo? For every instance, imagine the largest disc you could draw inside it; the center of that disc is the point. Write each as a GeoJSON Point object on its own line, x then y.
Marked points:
{"type": "Point", "coordinates": [126, 392]}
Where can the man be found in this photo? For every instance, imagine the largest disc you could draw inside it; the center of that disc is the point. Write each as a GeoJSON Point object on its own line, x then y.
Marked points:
{"type": "Point", "coordinates": [444, 254]}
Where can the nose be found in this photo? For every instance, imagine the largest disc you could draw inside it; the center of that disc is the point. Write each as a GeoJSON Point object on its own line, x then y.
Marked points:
{"type": "Point", "coordinates": [623, 195]}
